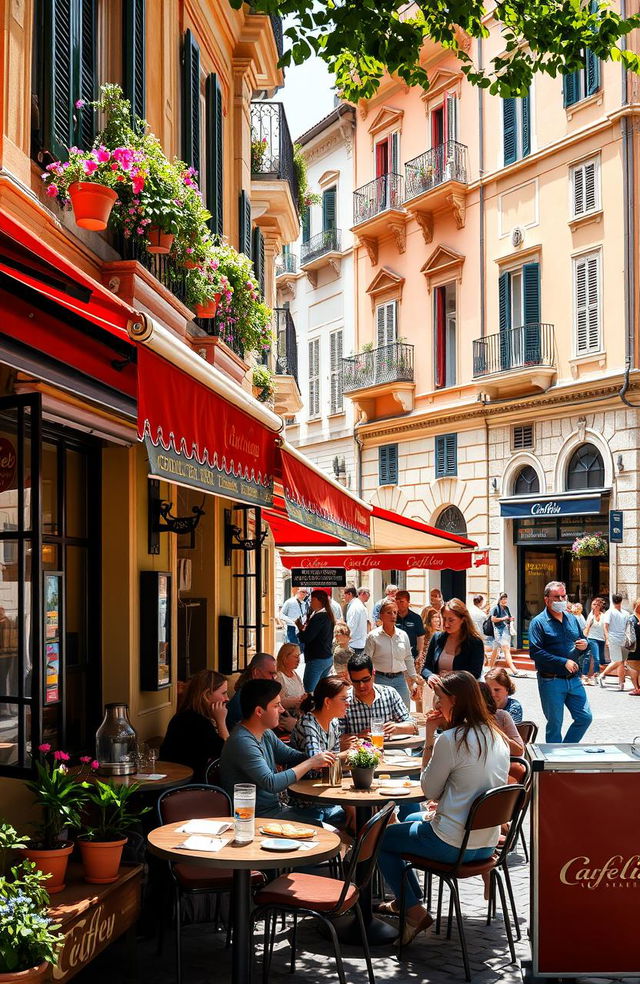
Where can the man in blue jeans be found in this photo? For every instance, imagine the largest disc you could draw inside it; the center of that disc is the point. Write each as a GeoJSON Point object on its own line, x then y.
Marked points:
{"type": "Point", "coordinates": [556, 645]}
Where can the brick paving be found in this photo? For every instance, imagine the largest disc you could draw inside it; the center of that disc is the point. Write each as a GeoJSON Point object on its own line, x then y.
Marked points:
{"type": "Point", "coordinates": [433, 959]}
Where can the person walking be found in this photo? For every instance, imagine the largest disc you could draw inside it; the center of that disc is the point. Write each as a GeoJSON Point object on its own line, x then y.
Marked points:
{"type": "Point", "coordinates": [435, 601]}
{"type": "Point", "coordinates": [556, 645]}
{"type": "Point", "coordinates": [594, 633]}
{"type": "Point", "coordinates": [295, 607]}
{"type": "Point", "coordinates": [615, 622]}
{"type": "Point", "coordinates": [389, 595]}
{"type": "Point", "coordinates": [390, 650]}
{"type": "Point", "coordinates": [633, 663]}
{"type": "Point", "coordinates": [317, 633]}
{"type": "Point", "coordinates": [502, 621]}
{"type": "Point", "coordinates": [356, 617]}
{"type": "Point", "coordinates": [458, 647]}
{"type": "Point", "coordinates": [364, 595]}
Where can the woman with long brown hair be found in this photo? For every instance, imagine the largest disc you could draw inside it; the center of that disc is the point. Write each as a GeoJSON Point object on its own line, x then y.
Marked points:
{"type": "Point", "coordinates": [468, 757]}
{"type": "Point", "coordinates": [458, 647]}
{"type": "Point", "coordinates": [316, 635]}
{"type": "Point", "coordinates": [196, 733]}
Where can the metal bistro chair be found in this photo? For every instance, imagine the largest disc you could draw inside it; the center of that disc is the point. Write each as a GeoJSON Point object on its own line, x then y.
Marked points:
{"type": "Point", "coordinates": [301, 894]}
{"type": "Point", "coordinates": [197, 802]}
{"type": "Point", "coordinates": [528, 731]}
{"type": "Point", "coordinates": [491, 809]}
{"type": "Point", "coordinates": [212, 775]}
{"type": "Point", "coordinates": [507, 845]}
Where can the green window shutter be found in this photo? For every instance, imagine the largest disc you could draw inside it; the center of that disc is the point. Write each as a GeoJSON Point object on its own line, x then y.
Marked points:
{"type": "Point", "coordinates": [244, 225]}
{"type": "Point", "coordinates": [215, 155]}
{"type": "Point", "coordinates": [446, 455]}
{"type": "Point", "coordinates": [504, 301]}
{"type": "Point", "coordinates": [306, 226]}
{"type": "Point", "coordinates": [57, 30]}
{"type": "Point", "coordinates": [531, 293]}
{"type": "Point", "coordinates": [388, 464]}
{"type": "Point", "coordinates": [191, 101]}
{"type": "Point", "coordinates": [571, 88]}
{"type": "Point", "coordinates": [87, 86]}
{"type": "Point", "coordinates": [328, 209]}
{"type": "Point", "coordinates": [258, 257]}
{"type": "Point", "coordinates": [509, 131]}
{"type": "Point", "coordinates": [592, 71]}
{"type": "Point", "coordinates": [133, 13]}
{"type": "Point", "coordinates": [526, 125]}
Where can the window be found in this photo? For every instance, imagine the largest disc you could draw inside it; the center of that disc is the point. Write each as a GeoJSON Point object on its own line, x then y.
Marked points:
{"type": "Point", "coordinates": [306, 225]}
{"type": "Point", "coordinates": [527, 481]}
{"type": "Point", "coordinates": [329, 209]}
{"type": "Point", "coordinates": [244, 224]}
{"type": "Point", "coordinates": [202, 136]}
{"type": "Point", "coordinates": [388, 464]}
{"type": "Point", "coordinates": [587, 290]}
{"type": "Point", "coordinates": [446, 448]}
{"type": "Point", "coordinates": [258, 257]}
{"type": "Point", "coordinates": [214, 169]}
{"type": "Point", "coordinates": [386, 321]}
{"type": "Point", "coordinates": [522, 437]}
{"type": "Point", "coordinates": [387, 153]}
{"type": "Point", "coordinates": [445, 336]}
{"type": "Point", "coordinates": [451, 520]}
{"type": "Point", "coordinates": [444, 121]}
{"type": "Point", "coordinates": [314, 378]}
{"type": "Point", "coordinates": [586, 469]}
{"type": "Point", "coordinates": [133, 12]}
{"type": "Point", "coordinates": [585, 188]}
{"type": "Point", "coordinates": [519, 317]}
{"type": "Point", "coordinates": [516, 128]}
{"type": "Point", "coordinates": [578, 85]}
{"type": "Point", "coordinates": [191, 101]}
{"type": "Point", "coordinates": [335, 351]}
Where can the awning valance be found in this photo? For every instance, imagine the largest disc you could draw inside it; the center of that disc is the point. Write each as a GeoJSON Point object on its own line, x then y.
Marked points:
{"type": "Point", "coordinates": [369, 561]}
{"type": "Point", "coordinates": [548, 506]}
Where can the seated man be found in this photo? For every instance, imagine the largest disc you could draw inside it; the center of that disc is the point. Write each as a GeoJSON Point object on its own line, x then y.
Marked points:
{"type": "Point", "coordinates": [252, 752]}
{"type": "Point", "coordinates": [261, 667]}
{"type": "Point", "coordinates": [371, 701]}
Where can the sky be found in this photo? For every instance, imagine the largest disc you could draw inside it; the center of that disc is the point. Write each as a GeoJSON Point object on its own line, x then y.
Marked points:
{"type": "Point", "coordinates": [307, 94]}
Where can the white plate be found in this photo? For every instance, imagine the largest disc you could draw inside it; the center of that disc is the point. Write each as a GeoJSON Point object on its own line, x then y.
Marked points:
{"type": "Point", "coordinates": [280, 844]}
{"type": "Point", "coordinates": [394, 792]}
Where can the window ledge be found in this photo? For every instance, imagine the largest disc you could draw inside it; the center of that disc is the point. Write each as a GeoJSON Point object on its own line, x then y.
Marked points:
{"type": "Point", "coordinates": [338, 413]}
{"type": "Point", "coordinates": [599, 360]}
{"type": "Point", "coordinates": [583, 220]}
{"type": "Point", "coordinates": [595, 99]}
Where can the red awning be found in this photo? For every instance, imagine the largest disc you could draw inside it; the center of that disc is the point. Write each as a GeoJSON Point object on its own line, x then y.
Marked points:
{"type": "Point", "coordinates": [287, 533]}
{"type": "Point", "coordinates": [367, 561]}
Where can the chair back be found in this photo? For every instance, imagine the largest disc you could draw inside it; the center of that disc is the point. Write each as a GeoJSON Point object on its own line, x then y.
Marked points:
{"type": "Point", "coordinates": [212, 775]}
{"type": "Point", "coordinates": [519, 770]}
{"type": "Point", "coordinates": [366, 848]}
{"type": "Point", "coordinates": [528, 731]}
{"type": "Point", "coordinates": [193, 803]}
{"type": "Point", "coordinates": [494, 808]}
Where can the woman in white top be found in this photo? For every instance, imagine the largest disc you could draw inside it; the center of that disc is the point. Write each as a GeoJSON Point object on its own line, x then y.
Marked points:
{"type": "Point", "coordinates": [469, 757]}
{"type": "Point", "coordinates": [594, 631]}
{"type": "Point", "coordinates": [287, 662]}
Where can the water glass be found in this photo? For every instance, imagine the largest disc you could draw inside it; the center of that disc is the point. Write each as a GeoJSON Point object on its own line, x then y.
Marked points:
{"type": "Point", "coordinates": [244, 811]}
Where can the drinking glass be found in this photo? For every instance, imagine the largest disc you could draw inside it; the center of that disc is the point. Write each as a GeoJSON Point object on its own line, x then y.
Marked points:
{"type": "Point", "coordinates": [377, 732]}
{"type": "Point", "coordinates": [244, 811]}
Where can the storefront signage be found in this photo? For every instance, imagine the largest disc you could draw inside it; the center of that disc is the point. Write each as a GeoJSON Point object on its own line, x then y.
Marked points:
{"type": "Point", "coordinates": [562, 530]}
{"type": "Point", "coordinates": [325, 577]}
{"type": "Point", "coordinates": [8, 461]}
{"type": "Point", "coordinates": [550, 507]}
{"type": "Point", "coordinates": [313, 501]}
{"type": "Point", "coordinates": [616, 526]}
{"type": "Point", "coordinates": [168, 465]}
{"type": "Point", "coordinates": [387, 562]}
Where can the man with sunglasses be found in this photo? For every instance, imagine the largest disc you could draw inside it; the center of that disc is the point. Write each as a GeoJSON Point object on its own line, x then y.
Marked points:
{"type": "Point", "coordinates": [370, 701]}
{"type": "Point", "coordinates": [557, 645]}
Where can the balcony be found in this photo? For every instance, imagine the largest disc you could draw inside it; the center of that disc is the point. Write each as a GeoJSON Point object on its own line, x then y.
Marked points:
{"type": "Point", "coordinates": [380, 382]}
{"type": "Point", "coordinates": [323, 250]}
{"type": "Point", "coordinates": [514, 361]}
{"type": "Point", "coordinates": [286, 263]}
{"type": "Point", "coordinates": [287, 393]}
{"type": "Point", "coordinates": [274, 182]}
{"type": "Point", "coordinates": [436, 184]}
{"type": "Point", "coordinates": [378, 212]}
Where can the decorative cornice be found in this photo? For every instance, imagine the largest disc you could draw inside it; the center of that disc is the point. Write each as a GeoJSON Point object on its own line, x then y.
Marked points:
{"type": "Point", "coordinates": [399, 233]}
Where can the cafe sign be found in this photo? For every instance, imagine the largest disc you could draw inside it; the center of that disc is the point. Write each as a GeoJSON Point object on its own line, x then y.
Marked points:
{"type": "Point", "coordinates": [549, 508]}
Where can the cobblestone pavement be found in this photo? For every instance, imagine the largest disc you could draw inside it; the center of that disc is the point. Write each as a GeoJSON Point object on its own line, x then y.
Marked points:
{"type": "Point", "coordinates": [433, 959]}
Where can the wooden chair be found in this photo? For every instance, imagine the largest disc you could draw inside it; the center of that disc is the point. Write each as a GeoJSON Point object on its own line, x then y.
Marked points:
{"type": "Point", "coordinates": [301, 894]}
{"type": "Point", "coordinates": [492, 809]}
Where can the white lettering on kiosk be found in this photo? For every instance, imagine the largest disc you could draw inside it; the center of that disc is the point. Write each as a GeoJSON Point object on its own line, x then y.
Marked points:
{"type": "Point", "coordinates": [546, 509]}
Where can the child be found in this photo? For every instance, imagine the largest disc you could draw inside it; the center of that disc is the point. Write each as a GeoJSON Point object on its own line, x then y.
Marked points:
{"type": "Point", "coordinates": [502, 689]}
{"type": "Point", "coordinates": [342, 651]}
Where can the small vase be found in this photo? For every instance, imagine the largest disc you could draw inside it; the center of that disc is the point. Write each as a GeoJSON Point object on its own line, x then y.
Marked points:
{"type": "Point", "coordinates": [362, 778]}
{"type": "Point", "coordinates": [101, 860]}
{"type": "Point", "coordinates": [158, 241]}
{"type": "Point", "coordinates": [30, 976]}
{"type": "Point", "coordinates": [51, 862]}
{"type": "Point", "coordinates": [208, 310]}
{"type": "Point", "coordinates": [92, 204]}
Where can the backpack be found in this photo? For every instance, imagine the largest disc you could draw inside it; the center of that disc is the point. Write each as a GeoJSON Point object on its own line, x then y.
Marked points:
{"type": "Point", "coordinates": [629, 636]}
{"type": "Point", "coordinates": [487, 626]}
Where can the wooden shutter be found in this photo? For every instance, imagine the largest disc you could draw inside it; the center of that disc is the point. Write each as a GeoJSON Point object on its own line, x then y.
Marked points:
{"type": "Point", "coordinates": [335, 356]}
{"type": "Point", "coordinates": [571, 88]}
{"type": "Point", "coordinates": [592, 72]}
{"type": "Point", "coordinates": [587, 301]}
{"type": "Point", "coordinates": [509, 132]}
{"type": "Point", "coordinates": [446, 454]}
{"type": "Point", "coordinates": [525, 110]}
{"type": "Point", "coordinates": [504, 301]}
{"type": "Point", "coordinates": [244, 224]}
{"type": "Point", "coordinates": [133, 12]}
{"type": "Point", "coordinates": [57, 28]}
{"type": "Point", "coordinates": [388, 464]}
{"type": "Point", "coordinates": [386, 323]}
{"type": "Point", "coordinates": [215, 154]}
{"type": "Point", "coordinates": [440, 353]}
{"type": "Point", "coordinates": [314, 377]}
{"type": "Point", "coordinates": [306, 226]}
{"type": "Point", "coordinates": [585, 190]}
{"type": "Point", "coordinates": [87, 86]}
{"type": "Point", "coordinates": [328, 209]}
{"type": "Point", "coordinates": [531, 293]}
{"type": "Point", "coordinates": [191, 101]}
{"type": "Point", "coordinates": [451, 121]}
{"type": "Point", "coordinates": [258, 257]}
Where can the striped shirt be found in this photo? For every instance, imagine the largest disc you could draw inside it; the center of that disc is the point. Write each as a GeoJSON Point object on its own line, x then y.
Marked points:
{"type": "Point", "coordinates": [388, 704]}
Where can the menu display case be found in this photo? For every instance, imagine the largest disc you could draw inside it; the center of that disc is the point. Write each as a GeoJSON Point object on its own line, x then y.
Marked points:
{"type": "Point", "coordinates": [155, 629]}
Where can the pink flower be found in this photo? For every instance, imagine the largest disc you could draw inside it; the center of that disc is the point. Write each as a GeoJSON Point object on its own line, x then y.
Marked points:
{"type": "Point", "coordinates": [137, 184]}
{"type": "Point", "coordinates": [95, 764]}
{"type": "Point", "coordinates": [103, 155]}
{"type": "Point", "coordinates": [140, 230]}
{"type": "Point", "coordinates": [61, 756]}
{"type": "Point", "coordinates": [124, 157]}
{"type": "Point", "coordinates": [85, 759]}
{"type": "Point", "coordinates": [79, 103]}
{"type": "Point", "coordinates": [44, 748]}
{"type": "Point", "coordinates": [89, 167]}
{"type": "Point", "coordinates": [189, 249]}
{"type": "Point", "coordinates": [52, 190]}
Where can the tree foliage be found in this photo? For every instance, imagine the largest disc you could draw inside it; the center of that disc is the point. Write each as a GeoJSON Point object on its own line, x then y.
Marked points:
{"type": "Point", "coordinates": [361, 39]}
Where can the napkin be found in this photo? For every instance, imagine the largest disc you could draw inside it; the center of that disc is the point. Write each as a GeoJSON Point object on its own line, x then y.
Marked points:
{"type": "Point", "coordinates": [213, 828]}
{"type": "Point", "coordinates": [149, 776]}
{"type": "Point", "coordinates": [197, 843]}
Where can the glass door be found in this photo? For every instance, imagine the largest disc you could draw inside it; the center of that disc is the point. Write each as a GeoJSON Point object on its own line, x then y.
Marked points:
{"type": "Point", "coordinates": [537, 568]}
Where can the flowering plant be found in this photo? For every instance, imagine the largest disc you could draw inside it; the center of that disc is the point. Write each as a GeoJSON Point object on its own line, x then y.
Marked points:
{"type": "Point", "coordinates": [121, 169]}
{"type": "Point", "coordinates": [258, 152]}
{"type": "Point", "coordinates": [59, 795]}
{"type": "Point", "coordinates": [113, 811]}
{"type": "Point", "coordinates": [589, 545]}
{"type": "Point", "coordinates": [262, 379]}
{"type": "Point", "coordinates": [241, 315]}
{"type": "Point", "coordinates": [27, 936]}
{"type": "Point", "coordinates": [363, 755]}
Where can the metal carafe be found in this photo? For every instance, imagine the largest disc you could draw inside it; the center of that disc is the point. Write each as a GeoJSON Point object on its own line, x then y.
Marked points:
{"type": "Point", "coordinates": [335, 773]}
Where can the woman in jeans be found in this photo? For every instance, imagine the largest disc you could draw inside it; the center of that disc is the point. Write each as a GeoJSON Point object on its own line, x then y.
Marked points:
{"type": "Point", "coordinates": [594, 632]}
{"type": "Point", "coordinates": [469, 757]}
{"type": "Point", "coordinates": [316, 635]}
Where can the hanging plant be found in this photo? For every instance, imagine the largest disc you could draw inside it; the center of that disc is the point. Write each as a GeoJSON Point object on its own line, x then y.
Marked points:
{"type": "Point", "coordinates": [590, 545]}
{"type": "Point", "coordinates": [306, 198]}
{"type": "Point", "coordinates": [262, 380]}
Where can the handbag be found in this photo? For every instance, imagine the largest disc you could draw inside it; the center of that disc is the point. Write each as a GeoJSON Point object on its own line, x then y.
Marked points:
{"type": "Point", "coordinates": [629, 637]}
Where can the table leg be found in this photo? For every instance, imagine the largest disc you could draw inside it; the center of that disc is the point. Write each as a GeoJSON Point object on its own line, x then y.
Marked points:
{"type": "Point", "coordinates": [241, 949]}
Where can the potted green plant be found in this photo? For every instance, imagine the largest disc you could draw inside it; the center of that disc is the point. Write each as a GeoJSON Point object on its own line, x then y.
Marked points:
{"type": "Point", "coordinates": [29, 941]}
{"type": "Point", "coordinates": [262, 380]}
{"type": "Point", "coordinates": [60, 797]}
{"type": "Point", "coordinates": [362, 759]}
{"type": "Point", "coordinates": [306, 198]}
{"type": "Point", "coordinates": [258, 153]}
{"type": "Point", "coordinates": [102, 842]}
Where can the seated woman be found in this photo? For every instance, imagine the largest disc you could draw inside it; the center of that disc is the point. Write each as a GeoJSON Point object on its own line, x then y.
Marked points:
{"type": "Point", "coordinates": [287, 663]}
{"type": "Point", "coordinates": [502, 690]}
{"type": "Point", "coordinates": [342, 651]}
{"type": "Point", "coordinates": [469, 757]}
{"type": "Point", "coordinates": [198, 731]}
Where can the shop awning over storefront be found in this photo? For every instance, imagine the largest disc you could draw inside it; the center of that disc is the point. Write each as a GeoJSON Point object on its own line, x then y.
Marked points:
{"type": "Point", "coordinates": [548, 506]}
{"type": "Point", "coordinates": [383, 561]}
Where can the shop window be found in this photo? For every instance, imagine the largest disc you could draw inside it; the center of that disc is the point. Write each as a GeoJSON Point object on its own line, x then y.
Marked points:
{"type": "Point", "coordinates": [445, 336]}
{"type": "Point", "coordinates": [521, 437]}
{"type": "Point", "coordinates": [388, 464]}
{"type": "Point", "coordinates": [527, 481]}
{"type": "Point", "coordinates": [586, 469]}
{"type": "Point", "coordinates": [516, 128]}
{"type": "Point", "coordinates": [446, 453]}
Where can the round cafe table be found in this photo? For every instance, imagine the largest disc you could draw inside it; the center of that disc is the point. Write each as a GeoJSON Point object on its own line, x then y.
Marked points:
{"type": "Point", "coordinates": [172, 775]}
{"type": "Point", "coordinates": [366, 801]}
{"type": "Point", "coordinates": [406, 741]}
{"type": "Point", "coordinates": [397, 763]}
{"type": "Point", "coordinates": [242, 859]}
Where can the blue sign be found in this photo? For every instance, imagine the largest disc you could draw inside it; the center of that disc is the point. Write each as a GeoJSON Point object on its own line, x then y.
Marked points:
{"type": "Point", "coordinates": [549, 508]}
{"type": "Point", "coordinates": [616, 525]}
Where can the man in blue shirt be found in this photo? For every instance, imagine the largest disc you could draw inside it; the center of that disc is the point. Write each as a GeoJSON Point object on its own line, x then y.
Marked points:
{"type": "Point", "coordinates": [556, 645]}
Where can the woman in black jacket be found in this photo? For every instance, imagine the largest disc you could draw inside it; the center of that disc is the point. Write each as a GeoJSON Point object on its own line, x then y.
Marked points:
{"type": "Point", "coordinates": [459, 647]}
{"type": "Point", "coordinates": [317, 636]}
{"type": "Point", "coordinates": [196, 734]}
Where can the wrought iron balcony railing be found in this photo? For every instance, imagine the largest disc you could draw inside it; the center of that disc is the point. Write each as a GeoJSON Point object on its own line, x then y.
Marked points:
{"type": "Point", "coordinates": [278, 33]}
{"type": "Point", "coordinates": [286, 343]}
{"type": "Point", "coordinates": [377, 196]}
{"type": "Point", "coordinates": [160, 265]}
{"type": "Point", "coordinates": [446, 162]}
{"type": "Point", "coordinates": [328, 241]}
{"type": "Point", "coordinates": [271, 145]}
{"type": "Point", "coordinates": [286, 263]}
{"type": "Point", "coordinates": [386, 364]}
{"type": "Point", "coordinates": [514, 348]}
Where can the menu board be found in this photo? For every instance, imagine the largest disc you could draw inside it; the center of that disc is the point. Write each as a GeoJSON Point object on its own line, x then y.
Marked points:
{"type": "Point", "coordinates": [52, 630]}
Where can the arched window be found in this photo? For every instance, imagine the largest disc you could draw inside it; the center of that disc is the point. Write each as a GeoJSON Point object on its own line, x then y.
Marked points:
{"type": "Point", "coordinates": [527, 481]}
{"type": "Point", "coordinates": [451, 520]}
{"type": "Point", "coordinates": [586, 469]}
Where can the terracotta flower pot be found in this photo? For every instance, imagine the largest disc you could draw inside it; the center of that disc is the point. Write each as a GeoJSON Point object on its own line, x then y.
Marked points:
{"type": "Point", "coordinates": [362, 778]}
{"type": "Point", "coordinates": [92, 204]}
{"type": "Point", "coordinates": [209, 309]}
{"type": "Point", "coordinates": [158, 241]}
{"type": "Point", "coordinates": [190, 265]}
{"type": "Point", "coordinates": [31, 976]}
{"type": "Point", "coordinates": [51, 862]}
{"type": "Point", "coordinates": [101, 860]}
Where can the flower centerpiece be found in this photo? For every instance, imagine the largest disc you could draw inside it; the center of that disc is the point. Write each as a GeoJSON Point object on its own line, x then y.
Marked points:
{"type": "Point", "coordinates": [589, 545]}
{"type": "Point", "coordinates": [362, 758]}
{"type": "Point", "coordinates": [29, 941]}
{"type": "Point", "coordinates": [101, 842]}
{"type": "Point", "coordinates": [60, 795]}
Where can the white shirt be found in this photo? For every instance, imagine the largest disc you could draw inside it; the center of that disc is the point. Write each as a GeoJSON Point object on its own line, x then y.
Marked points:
{"type": "Point", "coordinates": [390, 654]}
{"type": "Point", "coordinates": [335, 608]}
{"type": "Point", "coordinates": [292, 686]}
{"type": "Point", "coordinates": [616, 619]}
{"type": "Point", "coordinates": [292, 609]}
{"type": "Point", "coordinates": [455, 776]}
{"type": "Point", "coordinates": [357, 618]}
{"type": "Point", "coordinates": [478, 617]}
{"type": "Point", "coordinates": [596, 626]}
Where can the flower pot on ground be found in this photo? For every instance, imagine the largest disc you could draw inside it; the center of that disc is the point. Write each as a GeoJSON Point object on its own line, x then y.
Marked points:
{"type": "Point", "coordinates": [158, 240]}
{"type": "Point", "coordinates": [362, 778]}
{"type": "Point", "coordinates": [92, 204]}
{"type": "Point", "coordinates": [113, 814]}
{"type": "Point", "coordinates": [31, 976]}
{"type": "Point", "coordinates": [52, 862]}
{"type": "Point", "coordinates": [101, 860]}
